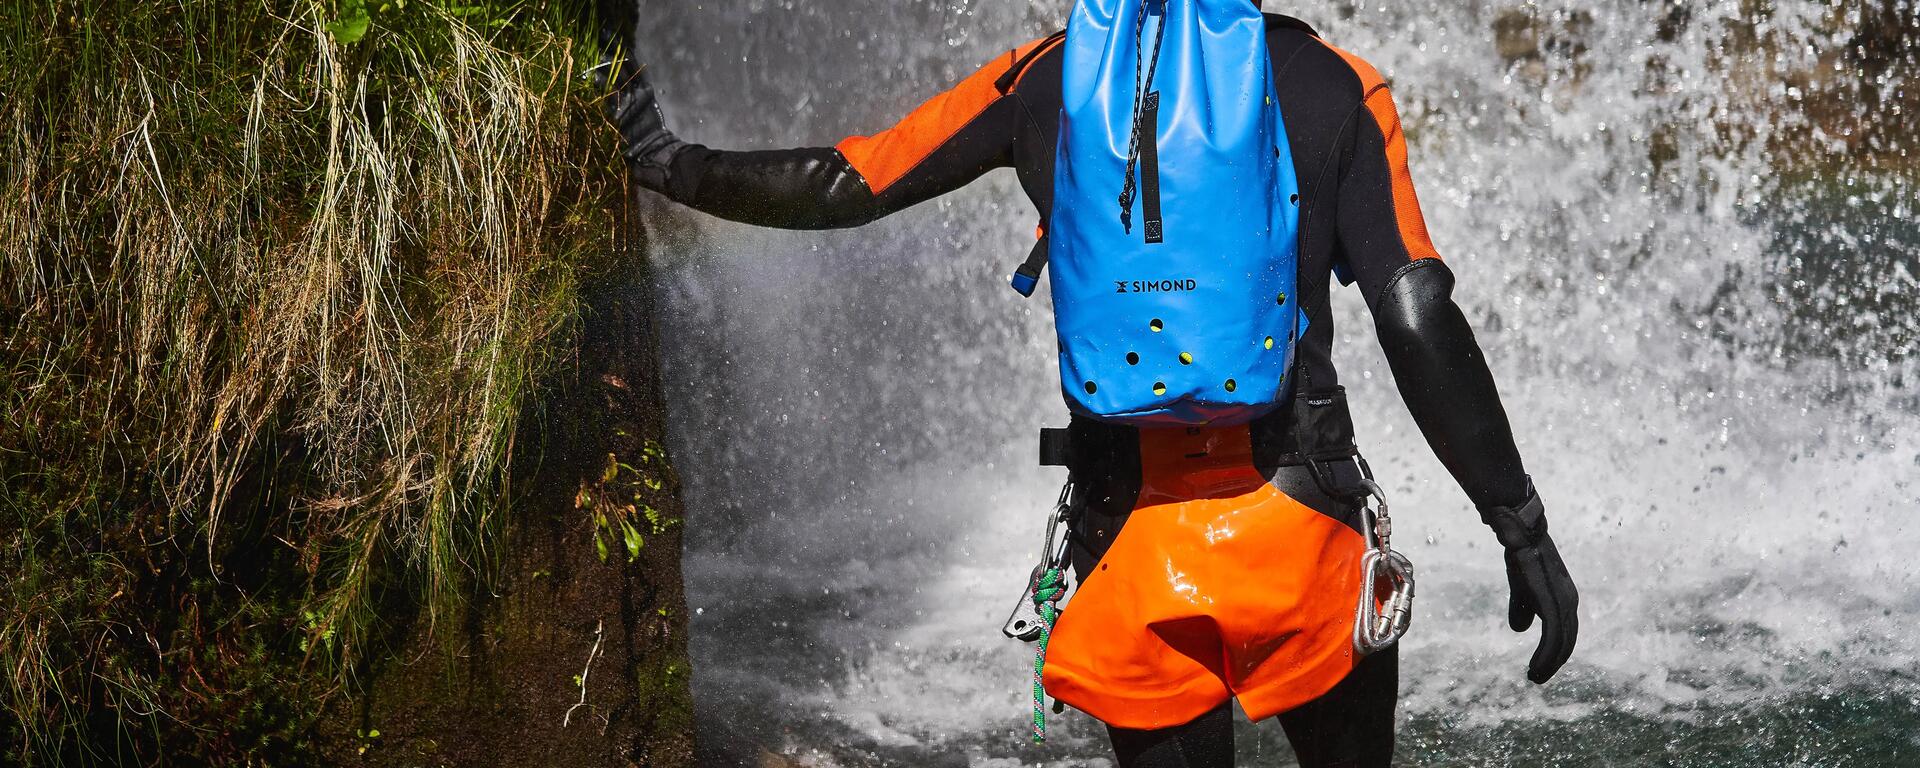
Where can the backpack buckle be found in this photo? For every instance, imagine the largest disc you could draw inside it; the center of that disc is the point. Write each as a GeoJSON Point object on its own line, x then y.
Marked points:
{"type": "Point", "coordinates": [1027, 277]}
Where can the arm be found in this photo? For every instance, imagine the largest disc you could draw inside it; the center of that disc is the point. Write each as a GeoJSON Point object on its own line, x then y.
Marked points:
{"type": "Point", "coordinates": [941, 146]}
{"type": "Point", "coordinates": [1440, 371]}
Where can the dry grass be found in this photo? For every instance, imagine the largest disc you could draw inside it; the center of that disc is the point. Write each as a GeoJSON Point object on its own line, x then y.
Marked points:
{"type": "Point", "coordinates": [271, 303]}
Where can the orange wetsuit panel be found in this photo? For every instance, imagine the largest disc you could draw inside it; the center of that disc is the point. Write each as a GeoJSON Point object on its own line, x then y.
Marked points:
{"type": "Point", "coordinates": [886, 157]}
{"type": "Point", "coordinates": [1406, 204]}
{"type": "Point", "coordinates": [1218, 586]}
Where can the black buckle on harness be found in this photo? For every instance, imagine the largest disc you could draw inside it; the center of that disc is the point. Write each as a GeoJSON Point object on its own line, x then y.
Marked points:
{"type": "Point", "coordinates": [1343, 477]}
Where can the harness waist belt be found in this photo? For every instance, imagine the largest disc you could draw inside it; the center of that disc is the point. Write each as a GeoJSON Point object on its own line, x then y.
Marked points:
{"type": "Point", "coordinates": [1314, 429]}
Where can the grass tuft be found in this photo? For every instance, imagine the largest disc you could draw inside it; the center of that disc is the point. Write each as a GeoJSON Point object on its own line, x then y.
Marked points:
{"type": "Point", "coordinates": [276, 281]}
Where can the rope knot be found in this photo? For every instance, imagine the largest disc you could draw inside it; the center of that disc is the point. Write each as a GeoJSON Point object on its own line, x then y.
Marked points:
{"type": "Point", "coordinates": [1050, 588]}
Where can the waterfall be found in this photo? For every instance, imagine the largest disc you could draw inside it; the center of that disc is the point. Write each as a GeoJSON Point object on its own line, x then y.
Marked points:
{"type": "Point", "coordinates": [1684, 231]}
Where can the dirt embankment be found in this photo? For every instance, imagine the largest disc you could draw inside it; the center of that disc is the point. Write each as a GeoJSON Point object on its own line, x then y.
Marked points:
{"type": "Point", "coordinates": [579, 657]}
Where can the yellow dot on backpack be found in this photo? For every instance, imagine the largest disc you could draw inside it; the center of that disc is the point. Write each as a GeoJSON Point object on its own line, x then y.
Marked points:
{"type": "Point", "coordinates": [1186, 358]}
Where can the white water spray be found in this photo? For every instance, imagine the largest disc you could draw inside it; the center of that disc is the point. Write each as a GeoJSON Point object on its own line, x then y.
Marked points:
{"type": "Point", "coordinates": [1698, 303]}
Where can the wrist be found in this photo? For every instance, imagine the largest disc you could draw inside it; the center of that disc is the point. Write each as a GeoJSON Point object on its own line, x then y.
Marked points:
{"type": "Point", "coordinates": [652, 160]}
{"type": "Point", "coordinates": [1518, 526]}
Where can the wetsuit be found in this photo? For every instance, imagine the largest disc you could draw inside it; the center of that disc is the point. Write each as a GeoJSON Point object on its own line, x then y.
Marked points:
{"type": "Point", "coordinates": [1359, 220]}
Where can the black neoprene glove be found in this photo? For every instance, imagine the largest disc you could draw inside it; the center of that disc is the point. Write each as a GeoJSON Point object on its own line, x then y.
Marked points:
{"type": "Point", "coordinates": [649, 146]}
{"type": "Point", "coordinates": [1539, 582]}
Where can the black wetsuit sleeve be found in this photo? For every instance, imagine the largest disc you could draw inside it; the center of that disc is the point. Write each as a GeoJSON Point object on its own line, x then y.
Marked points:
{"type": "Point", "coordinates": [1437, 364]}
{"type": "Point", "coordinates": [805, 188]}
{"type": "Point", "coordinates": [1444, 379]}
{"type": "Point", "coordinates": [941, 146]}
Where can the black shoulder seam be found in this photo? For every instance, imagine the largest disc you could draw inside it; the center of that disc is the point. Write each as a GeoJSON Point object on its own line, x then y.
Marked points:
{"type": "Point", "coordinates": [1367, 97]}
{"type": "Point", "coordinates": [1326, 167]}
{"type": "Point", "coordinates": [1012, 75]}
{"type": "Point", "coordinates": [1280, 72]}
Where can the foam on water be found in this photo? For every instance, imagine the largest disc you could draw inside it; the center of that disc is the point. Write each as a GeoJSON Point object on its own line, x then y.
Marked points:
{"type": "Point", "coordinates": [1702, 319]}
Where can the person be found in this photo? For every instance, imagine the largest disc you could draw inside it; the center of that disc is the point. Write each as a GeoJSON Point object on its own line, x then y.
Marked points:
{"type": "Point", "coordinates": [1277, 635]}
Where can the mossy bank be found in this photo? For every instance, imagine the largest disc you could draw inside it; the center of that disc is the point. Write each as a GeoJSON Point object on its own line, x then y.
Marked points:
{"type": "Point", "coordinates": [320, 446]}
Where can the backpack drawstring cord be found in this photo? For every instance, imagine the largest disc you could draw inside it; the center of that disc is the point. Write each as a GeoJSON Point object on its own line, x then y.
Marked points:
{"type": "Point", "coordinates": [1141, 87]}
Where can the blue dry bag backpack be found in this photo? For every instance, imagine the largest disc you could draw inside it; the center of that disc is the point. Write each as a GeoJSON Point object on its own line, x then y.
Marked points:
{"type": "Point", "coordinates": [1173, 231]}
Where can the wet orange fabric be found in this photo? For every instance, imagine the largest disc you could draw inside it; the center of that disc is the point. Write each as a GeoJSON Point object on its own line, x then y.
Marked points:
{"type": "Point", "coordinates": [1406, 204]}
{"type": "Point", "coordinates": [1218, 586]}
{"type": "Point", "coordinates": [888, 156]}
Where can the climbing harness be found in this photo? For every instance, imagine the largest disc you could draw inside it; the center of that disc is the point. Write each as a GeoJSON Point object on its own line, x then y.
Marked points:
{"type": "Point", "coordinates": [1381, 619]}
{"type": "Point", "coordinates": [1033, 619]}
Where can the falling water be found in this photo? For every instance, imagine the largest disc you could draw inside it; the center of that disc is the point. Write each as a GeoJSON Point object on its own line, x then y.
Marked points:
{"type": "Point", "coordinates": [1686, 232]}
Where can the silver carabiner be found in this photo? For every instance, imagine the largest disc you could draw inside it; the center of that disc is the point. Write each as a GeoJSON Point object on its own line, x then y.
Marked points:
{"type": "Point", "coordinates": [1025, 623]}
{"type": "Point", "coordinates": [1386, 581]}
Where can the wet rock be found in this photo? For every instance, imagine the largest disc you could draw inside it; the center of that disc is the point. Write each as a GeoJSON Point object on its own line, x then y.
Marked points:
{"type": "Point", "coordinates": [1516, 35]}
{"type": "Point", "coordinates": [1538, 46]}
{"type": "Point", "coordinates": [768, 759]}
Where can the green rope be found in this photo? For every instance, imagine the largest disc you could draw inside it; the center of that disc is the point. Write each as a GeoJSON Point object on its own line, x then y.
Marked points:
{"type": "Point", "coordinates": [1052, 585]}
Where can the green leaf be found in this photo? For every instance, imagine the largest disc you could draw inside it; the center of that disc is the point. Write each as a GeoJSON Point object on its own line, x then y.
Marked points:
{"type": "Point", "coordinates": [600, 545]}
{"type": "Point", "coordinates": [632, 538]}
{"type": "Point", "coordinates": [352, 23]}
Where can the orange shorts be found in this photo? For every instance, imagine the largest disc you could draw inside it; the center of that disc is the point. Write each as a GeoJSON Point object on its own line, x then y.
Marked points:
{"type": "Point", "coordinates": [1218, 586]}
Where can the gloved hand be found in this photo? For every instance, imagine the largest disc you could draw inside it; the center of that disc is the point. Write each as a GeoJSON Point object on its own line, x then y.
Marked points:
{"type": "Point", "coordinates": [1539, 582]}
{"type": "Point", "coordinates": [649, 146]}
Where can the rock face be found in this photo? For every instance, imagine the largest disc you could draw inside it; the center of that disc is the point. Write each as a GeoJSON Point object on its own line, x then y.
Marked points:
{"type": "Point", "coordinates": [579, 658]}
{"type": "Point", "coordinates": [1834, 86]}
{"type": "Point", "coordinates": [1524, 39]}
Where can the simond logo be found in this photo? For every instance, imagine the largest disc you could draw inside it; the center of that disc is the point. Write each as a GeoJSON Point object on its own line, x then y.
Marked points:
{"type": "Point", "coordinates": [1155, 286]}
